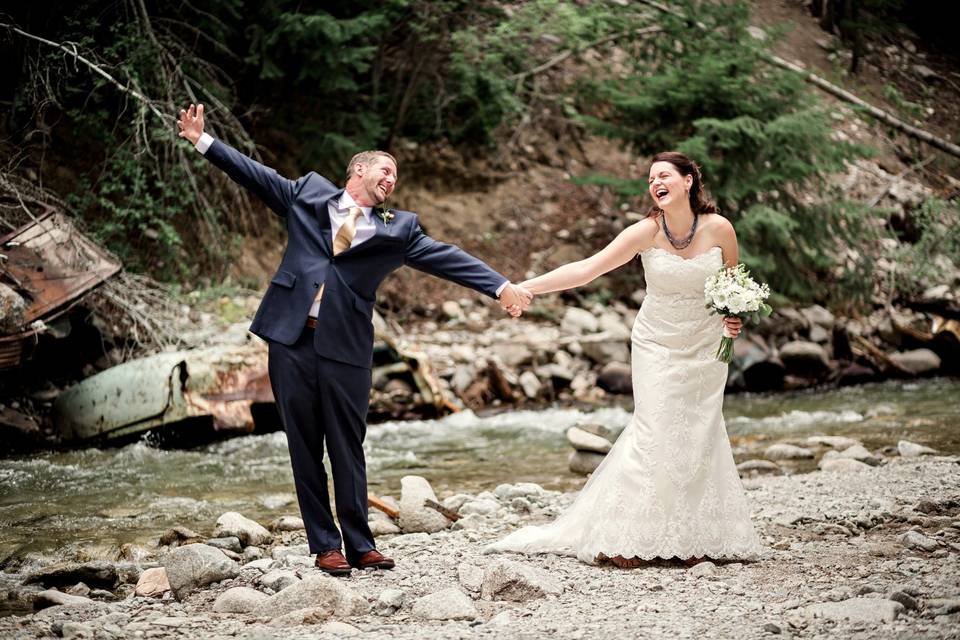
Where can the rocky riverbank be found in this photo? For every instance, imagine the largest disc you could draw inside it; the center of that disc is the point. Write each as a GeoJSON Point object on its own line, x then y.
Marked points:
{"type": "Point", "coordinates": [866, 552]}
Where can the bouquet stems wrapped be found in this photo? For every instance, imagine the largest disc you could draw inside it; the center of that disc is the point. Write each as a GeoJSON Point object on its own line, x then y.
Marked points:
{"type": "Point", "coordinates": [733, 293]}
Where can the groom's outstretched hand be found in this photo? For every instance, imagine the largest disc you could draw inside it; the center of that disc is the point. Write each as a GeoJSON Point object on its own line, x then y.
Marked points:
{"type": "Point", "coordinates": [514, 299]}
{"type": "Point", "coordinates": [190, 123]}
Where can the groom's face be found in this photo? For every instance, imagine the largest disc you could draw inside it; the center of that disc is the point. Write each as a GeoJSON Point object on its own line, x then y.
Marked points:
{"type": "Point", "coordinates": [378, 178]}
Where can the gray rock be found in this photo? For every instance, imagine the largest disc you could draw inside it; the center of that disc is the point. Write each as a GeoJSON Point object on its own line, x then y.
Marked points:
{"type": "Point", "coordinates": [77, 631]}
{"type": "Point", "coordinates": [312, 592]}
{"type": "Point", "coordinates": [278, 579]}
{"type": "Point", "coordinates": [471, 577]}
{"type": "Point", "coordinates": [262, 565]}
{"type": "Point", "coordinates": [615, 377]}
{"type": "Point", "coordinates": [912, 450]}
{"type": "Point", "coordinates": [578, 321]}
{"type": "Point", "coordinates": [868, 610]}
{"type": "Point", "coordinates": [703, 570]}
{"type": "Point", "coordinates": [12, 310]}
{"type": "Point", "coordinates": [97, 573]}
{"type": "Point", "coordinates": [857, 452]}
{"type": "Point", "coordinates": [178, 535]}
{"type": "Point", "coordinates": [451, 310]}
{"type": "Point", "coordinates": [341, 629]}
{"type": "Point", "coordinates": [915, 540]}
{"type": "Point", "coordinates": [759, 467]}
{"type": "Point", "coordinates": [584, 462]}
{"type": "Point", "coordinates": [519, 490]}
{"type": "Point", "coordinates": [238, 600]}
{"type": "Point", "coordinates": [389, 601]}
{"type": "Point", "coordinates": [380, 527]}
{"type": "Point", "coordinates": [613, 325]}
{"type": "Point", "coordinates": [512, 354]}
{"type": "Point", "coordinates": [248, 531]}
{"type": "Point", "coordinates": [251, 554]}
{"type": "Point", "coordinates": [530, 384]}
{"type": "Point", "coordinates": [817, 315]}
{"type": "Point", "coordinates": [196, 565]}
{"type": "Point", "coordinates": [230, 543]}
{"type": "Point", "coordinates": [54, 598]}
{"type": "Point", "coordinates": [909, 602]}
{"type": "Point", "coordinates": [508, 580]}
{"type": "Point", "coordinates": [287, 523]}
{"type": "Point", "coordinates": [279, 553]}
{"type": "Point", "coordinates": [917, 361]}
{"type": "Point", "coordinates": [583, 441]}
{"type": "Point", "coordinates": [772, 628]}
{"type": "Point", "coordinates": [302, 617]}
{"type": "Point", "coordinates": [414, 516]}
{"type": "Point", "coordinates": [603, 351]}
{"type": "Point", "coordinates": [943, 606]}
{"type": "Point", "coordinates": [482, 507]}
{"type": "Point", "coordinates": [835, 442]}
{"type": "Point", "coordinates": [783, 451]}
{"type": "Point", "coordinates": [449, 604]}
{"type": "Point", "coordinates": [804, 358]}
{"type": "Point", "coordinates": [842, 465]}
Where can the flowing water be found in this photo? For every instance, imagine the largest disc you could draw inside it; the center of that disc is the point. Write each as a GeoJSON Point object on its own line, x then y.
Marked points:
{"type": "Point", "coordinates": [86, 503]}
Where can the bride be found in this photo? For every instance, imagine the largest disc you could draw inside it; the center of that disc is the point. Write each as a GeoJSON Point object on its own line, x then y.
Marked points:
{"type": "Point", "coordinates": [669, 487]}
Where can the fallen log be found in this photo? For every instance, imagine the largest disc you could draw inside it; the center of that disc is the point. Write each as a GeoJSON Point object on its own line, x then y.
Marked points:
{"type": "Point", "coordinates": [377, 503]}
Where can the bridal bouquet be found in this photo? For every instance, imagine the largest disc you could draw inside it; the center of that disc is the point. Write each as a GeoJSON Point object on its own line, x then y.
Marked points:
{"type": "Point", "coordinates": [732, 292]}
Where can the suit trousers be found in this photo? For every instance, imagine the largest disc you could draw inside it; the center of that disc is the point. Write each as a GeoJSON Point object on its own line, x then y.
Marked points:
{"type": "Point", "coordinates": [324, 402]}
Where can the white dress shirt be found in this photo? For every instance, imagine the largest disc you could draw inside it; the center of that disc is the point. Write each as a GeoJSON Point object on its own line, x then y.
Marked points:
{"type": "Point", "coordinates": [338, 211]}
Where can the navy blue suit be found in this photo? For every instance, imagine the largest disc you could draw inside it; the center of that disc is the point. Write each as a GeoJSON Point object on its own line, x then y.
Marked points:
{"type": "Point", "coordinates": [321, 377]}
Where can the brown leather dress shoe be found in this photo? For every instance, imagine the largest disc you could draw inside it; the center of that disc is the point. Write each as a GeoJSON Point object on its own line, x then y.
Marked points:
{"type": "Point", "coordinates": [373, 559]}
{"type": "Point", "coordinates": [333, 562]}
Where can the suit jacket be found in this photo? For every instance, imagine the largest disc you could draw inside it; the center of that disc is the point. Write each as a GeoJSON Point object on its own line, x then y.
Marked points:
{"type": "Point", "coordinates": [344, 327]}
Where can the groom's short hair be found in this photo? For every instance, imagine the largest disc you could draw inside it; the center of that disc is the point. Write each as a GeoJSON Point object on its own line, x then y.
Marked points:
{"type": "Point", "coordinates": [365, 158]}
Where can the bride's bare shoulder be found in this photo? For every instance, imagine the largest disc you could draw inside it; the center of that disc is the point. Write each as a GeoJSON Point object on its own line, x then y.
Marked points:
{"type": "Point", "coordinates": [644, 232]}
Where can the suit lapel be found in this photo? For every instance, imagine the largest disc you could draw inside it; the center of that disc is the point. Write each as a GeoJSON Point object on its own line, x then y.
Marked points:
{"type": "Point", "coordinates": [382, 231]}
{"type": "Point", "coordinates": [323, 217]}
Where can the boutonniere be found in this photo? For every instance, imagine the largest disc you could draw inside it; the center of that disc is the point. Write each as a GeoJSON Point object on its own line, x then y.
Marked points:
{"type": "Point", "coordinates": [385, 214]}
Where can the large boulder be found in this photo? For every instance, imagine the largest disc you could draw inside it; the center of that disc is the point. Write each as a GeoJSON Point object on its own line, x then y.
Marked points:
{"type": "Point", "coordinates": [248, 531]}
{"type": "Point", "coordinates": [414, 516]}
{"type": "Point", "coordinates": [315, 592]}
{"type": "Point", "coordinates": [449, 604]}
{"type": "Point", "coordinates": [917, 361]}
{"type": "Point", "coordinates": [508, 580]}
{"type": "Point", "coordinates": [805, 359]}
{"type": "Point", "coordinates": [196, 565]}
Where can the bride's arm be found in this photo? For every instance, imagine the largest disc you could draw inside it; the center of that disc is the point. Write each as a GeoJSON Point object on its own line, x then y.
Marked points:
{"type": "Point", "coordinates": [727, 241]}
{"type": "Point", "coordinates": [624, 247]}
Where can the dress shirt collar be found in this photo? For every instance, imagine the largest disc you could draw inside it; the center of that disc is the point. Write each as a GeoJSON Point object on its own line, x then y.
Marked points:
{"type": "Point", "coordinates": [346, 201]}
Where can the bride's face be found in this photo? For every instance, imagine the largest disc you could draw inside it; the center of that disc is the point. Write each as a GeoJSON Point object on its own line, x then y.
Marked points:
{"type": "Point", "coordinates": [667, 185]}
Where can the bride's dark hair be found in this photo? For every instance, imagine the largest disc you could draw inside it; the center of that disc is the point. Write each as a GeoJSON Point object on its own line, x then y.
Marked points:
{"type": "Point", "coordinates": [687, 167]}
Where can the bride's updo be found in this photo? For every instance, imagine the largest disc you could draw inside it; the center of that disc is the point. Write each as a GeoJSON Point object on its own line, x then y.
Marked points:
{"type": "Point", "coordinates": [687, 167]}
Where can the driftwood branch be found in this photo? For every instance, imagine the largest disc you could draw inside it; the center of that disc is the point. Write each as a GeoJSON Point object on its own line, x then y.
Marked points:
{"type": "Point", "coordinates": [838, 92]}
{"type": "Point", "coordinates": [71, 50]}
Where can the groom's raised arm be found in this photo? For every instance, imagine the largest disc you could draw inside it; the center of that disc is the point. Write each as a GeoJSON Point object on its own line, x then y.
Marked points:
{"type": "Point", "coordinates": [277, 192]}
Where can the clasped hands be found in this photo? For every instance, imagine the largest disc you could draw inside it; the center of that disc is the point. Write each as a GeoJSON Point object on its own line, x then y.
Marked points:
{"type": "Point", "coordinates": [514, 299]}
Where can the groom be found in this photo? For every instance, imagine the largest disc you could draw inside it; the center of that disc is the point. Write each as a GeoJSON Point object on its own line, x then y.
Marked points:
{"type": "Point", "coordinates": [317, 318]}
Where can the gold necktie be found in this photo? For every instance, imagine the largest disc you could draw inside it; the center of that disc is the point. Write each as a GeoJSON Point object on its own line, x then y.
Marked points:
{"type": "Point", "coordinates": [344, 237]}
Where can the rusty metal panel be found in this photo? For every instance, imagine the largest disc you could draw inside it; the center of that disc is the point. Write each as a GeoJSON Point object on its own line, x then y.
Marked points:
{"type": "Point", "coordinates": [51, 264]}
{"type": "Point", "coordinates": [221, 382]}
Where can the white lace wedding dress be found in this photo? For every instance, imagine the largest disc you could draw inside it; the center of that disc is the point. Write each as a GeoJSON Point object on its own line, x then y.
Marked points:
{"type": "Point", "coordinates": [669, 486]}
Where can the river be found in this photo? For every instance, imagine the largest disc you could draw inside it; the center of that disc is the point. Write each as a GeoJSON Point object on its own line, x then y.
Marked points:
{"type": "Point", "coordinates": [86, 503]}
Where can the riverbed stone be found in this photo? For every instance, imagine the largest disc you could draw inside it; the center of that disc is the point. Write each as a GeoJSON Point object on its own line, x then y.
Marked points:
{"type": "Point", "coordinates": [380, 527]}
{"type": "Point", "coordinates": [279, 553]}
{"type": "Point", "coordinates": [97, 573]}
{"type": "Point", "coordinates": [315, 591]}
{"type": "Point", "coordinates": [340, 629]}
{"type": "Point", "coordinates": [615, 377]}
{"type": "Point", "coordinates": [916, 540]}
{"type": "Point", "coordinates": [604, 351]}
{"type": "Point", "coordinates": [508, 492]}
{"type": "Point", "coordinates": [178, 535]}
{"type": "Point", "coordinates": [470, 576]}
{"type": "Point", "coordinates": [855, 452]}
{"type": "Point", "coordinates": [248, 531]}
{"type": "Point", "coordinates": [302, 617]}
{"type": "Point", "coordinates": [916, 361]}
{"type": "Point", "coordinates": [865, 610]}
{"type": "Point", "coordinates": [278, 579]}
{"type": "Point", "coordinates": [817, 315]}
{"type": "Point", "coordinates": [229, 543]}
{"type": "Point", "coordinates": [909, 449]}
{"type": "Point", "coordinates": [804, 358]}
{"type": "Point", "coordinates": [482, 507]}
{"type": "Point", "coordinates": [583, 441]}
{"type": "Point", "coordinates": [238, 600]}
{"type": "Point", "coordinates": [842, 465]}
{"type": "Point", "coordinates": [54, 598]}
{"type": "Point", "coordinates": [784, 451]}
{"type": "Point", "coordinates": [448, 604]}
{"type": "Point", "coordinates": [517, 582]}
{"type": "Point", "coordinates": [530, 384]}
{"type": "Point", "coordinates": [759, 467]}
{"type": "Point", "coordinates": [389, 602]}
{"type": "Point", "coordinates": [287, 523]}
{"type": "Point", "coordinates": [193, 566]}
{"type": "Point", "coordinates": [414, 516]}
{"type": "Point", "coordinates": [834, 442]}
{"type": "Point", "coordinates": [153, 583]}
{"type": "Point", "coordinates": [578, 321]}
{"type": "Point", "coordinates": [584, 462]}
